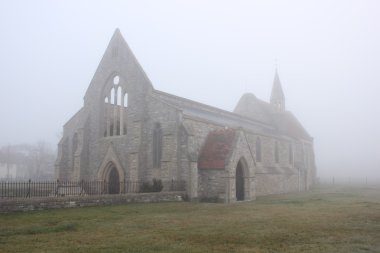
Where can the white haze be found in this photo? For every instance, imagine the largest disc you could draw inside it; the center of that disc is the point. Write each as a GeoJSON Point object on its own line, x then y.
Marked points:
{"type": "Point", "coordinates": [209, 51]}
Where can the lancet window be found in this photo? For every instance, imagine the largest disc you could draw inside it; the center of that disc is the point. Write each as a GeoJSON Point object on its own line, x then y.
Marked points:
{"type": "Point", "coordinates": [276, 153]}
{"type": "Point", "coordinates": [115, 112]}
{"type": "Point", "coordinates": [157, 146]}
{"type": "Point", "coordinates": [258, 149]}
{"type": "Point", "coordinates": [291, 155]}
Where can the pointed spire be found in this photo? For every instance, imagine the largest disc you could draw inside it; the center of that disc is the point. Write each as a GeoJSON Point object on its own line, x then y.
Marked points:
{"type": "Point", "coordinates": [277, 98]}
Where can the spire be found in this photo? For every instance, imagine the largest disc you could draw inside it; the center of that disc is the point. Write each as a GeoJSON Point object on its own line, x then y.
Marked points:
{"type": "Point", "coordinates": [277, 98]}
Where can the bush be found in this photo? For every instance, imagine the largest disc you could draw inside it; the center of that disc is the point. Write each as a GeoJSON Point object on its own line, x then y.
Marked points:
{"type": "Point", "coordinates": [157, 185]}
{"type": "Point", "coordinates": [154, 186]}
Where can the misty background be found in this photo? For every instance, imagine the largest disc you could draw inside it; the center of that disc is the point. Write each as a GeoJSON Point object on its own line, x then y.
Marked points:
{"type": "Point", "coordinates": [327, 52]}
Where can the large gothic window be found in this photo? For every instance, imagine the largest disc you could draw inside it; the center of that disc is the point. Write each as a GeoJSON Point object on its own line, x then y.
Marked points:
{"type": "Point", "coordinates": [276, 154]}
{"type": "Point", "coordinates": [115, 108]}
{"type": "Point", "coordinates": [258, 149]}
{"type": "Point", "coordinates": [157, 145]}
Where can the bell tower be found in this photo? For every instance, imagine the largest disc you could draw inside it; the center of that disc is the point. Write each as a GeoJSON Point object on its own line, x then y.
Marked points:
{"type": "Point", "coordinates": [277, 97]}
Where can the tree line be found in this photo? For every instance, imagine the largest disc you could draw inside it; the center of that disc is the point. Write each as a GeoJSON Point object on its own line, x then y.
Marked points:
{"type": "Point", "coordinates": [27, 161]}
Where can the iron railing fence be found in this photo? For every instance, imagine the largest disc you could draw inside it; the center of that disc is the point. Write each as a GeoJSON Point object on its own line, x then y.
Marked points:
{"type": "Point", "coordinates": [351, 181]}
{"type": "Point", "coordinates": [31, 189]}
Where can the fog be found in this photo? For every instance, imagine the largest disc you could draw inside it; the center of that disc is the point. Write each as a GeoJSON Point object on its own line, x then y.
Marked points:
{"type": "Point", "coordinates": [327, 52]}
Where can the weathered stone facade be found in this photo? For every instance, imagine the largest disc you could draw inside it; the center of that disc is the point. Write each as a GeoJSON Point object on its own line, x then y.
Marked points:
{"type": "Point", "coordinates": [127, 130]}
{"type": "Point", "coordinates": [34, 204]}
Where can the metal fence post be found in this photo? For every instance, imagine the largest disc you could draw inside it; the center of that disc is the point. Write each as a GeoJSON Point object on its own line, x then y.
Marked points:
{"type": "Point", "coordinates": [28, 193]}
{"type": "Point", "coordinates": [57, 188]}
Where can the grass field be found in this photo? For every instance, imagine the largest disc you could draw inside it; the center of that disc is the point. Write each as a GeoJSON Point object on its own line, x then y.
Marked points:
{"type": "Point", "coordinates": [323, 220]}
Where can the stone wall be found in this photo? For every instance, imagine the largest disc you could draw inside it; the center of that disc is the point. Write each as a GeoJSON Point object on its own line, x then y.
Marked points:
{"type": "Point", "coordinates": [166, 116]}
{"type": "Point", "coordinates": [185, 125]}
{"type": "Point", "coordinates": [212, 185]}
{"type": "Point", "coordinates": [23, 205]}
{"type": "Point", "coordinates": [267, 184]}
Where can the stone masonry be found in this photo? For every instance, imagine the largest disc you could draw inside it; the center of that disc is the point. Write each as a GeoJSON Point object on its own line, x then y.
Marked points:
{"type": "Point", "coordinates": [127, 130]}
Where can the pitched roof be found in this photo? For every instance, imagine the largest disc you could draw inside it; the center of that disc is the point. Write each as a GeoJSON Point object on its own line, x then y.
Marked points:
{"type": "Point", "coordinates": [250, 111]}
{"type": "Point", "coordinates": [208, 113]}
{"type": "Point", "coordinates": [217, 149]}
{"type": "Point", "coordinates": [117, 58]}
{"type": "Point", "coordinates": [286, 123]}
{"type": "Point", "coordinates": [283, 121]}
{"type": "Point", "coordinates": [252, 107]}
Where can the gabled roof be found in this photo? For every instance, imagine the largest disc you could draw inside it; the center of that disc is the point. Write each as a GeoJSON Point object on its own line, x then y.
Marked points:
{"type": "Point", "coordinates": [208, 113]}
{"type": "Point", "coordinates": [78, 119]}
{"type": "Point", "coordinates": [250, 112]}
{"type": "Point", "coordinates": [287, 124]}
{"type": "Point", "coordinates": [252, 107]}
{"type": "Point", "coordinates": [284, 121]}
{"type": "Point", "coordinates": [217, 149]}
{"type": "Point", "coordinates": [118, 57]}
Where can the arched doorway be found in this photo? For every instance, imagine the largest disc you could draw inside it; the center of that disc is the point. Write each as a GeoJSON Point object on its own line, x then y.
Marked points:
{"type": "Point", "coordinates": [113, 181]}
{"type": "Point", "coordinates": [239, 181]}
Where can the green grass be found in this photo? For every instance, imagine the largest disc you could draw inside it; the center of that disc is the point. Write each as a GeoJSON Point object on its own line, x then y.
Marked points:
{"type": "Point", "coordinates": [323, 220]}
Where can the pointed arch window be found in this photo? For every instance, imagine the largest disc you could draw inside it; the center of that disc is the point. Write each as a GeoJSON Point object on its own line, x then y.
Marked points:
{"type": "Point", "coordinates": [113, 97]}
{"type": "Point", "coordinates": [115, 114]}
{"type": "Point", "coordinates": [75, 142]}
{"type": "Point", "coordinates": [290, 153]}
{"type": "Point", "coordinates": [258, 149]}
{"type": "Point", "coordinates": [276, 154]}
{"type": "Point", "coordinates": [157, 145]}
{"type": "Point", "coordinates": [119, 96]}
{"type": "Point", "coordinates": [126, 100]}
{"type": "Point", "coordinates": [74, 148]}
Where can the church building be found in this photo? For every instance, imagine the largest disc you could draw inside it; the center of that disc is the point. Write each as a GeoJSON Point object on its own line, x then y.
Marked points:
{"type": "Point", "coordinates": [128, 131]}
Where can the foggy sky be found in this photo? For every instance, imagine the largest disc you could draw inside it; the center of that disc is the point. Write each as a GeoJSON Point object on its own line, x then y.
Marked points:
{"type": "Point", "coordinates": [208, 51]}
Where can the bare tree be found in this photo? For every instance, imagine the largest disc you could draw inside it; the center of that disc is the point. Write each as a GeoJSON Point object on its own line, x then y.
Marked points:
{"type": "Point", "coordinates": [32, 161]}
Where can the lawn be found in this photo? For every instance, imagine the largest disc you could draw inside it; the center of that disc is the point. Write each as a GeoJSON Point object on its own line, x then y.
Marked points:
{"type": "Point", "coordinates": [323, 220]}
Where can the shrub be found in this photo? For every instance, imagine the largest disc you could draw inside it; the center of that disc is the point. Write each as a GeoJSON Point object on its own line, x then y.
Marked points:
{"type": "Point", "coordinates": [154, 186]}
{"type": "Point", "coordinates": [157, 185]}
{"type": "Point", "coordinates": [146, 187]}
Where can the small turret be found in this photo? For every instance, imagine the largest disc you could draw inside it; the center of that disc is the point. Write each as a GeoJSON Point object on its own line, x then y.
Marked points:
{"type": "Point", "coordinates": [277, 98]}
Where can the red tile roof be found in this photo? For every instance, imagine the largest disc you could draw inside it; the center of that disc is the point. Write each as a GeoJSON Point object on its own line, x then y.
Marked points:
{"type": "Point", "coordinates": [217, 148]}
